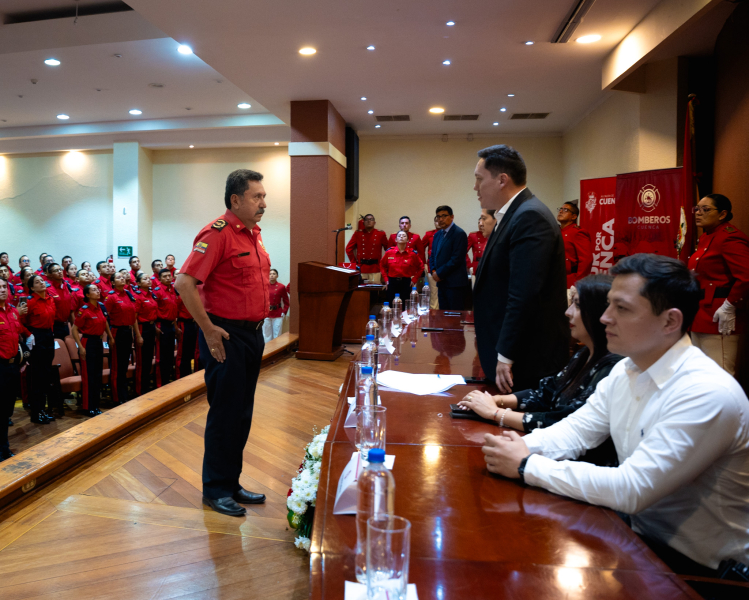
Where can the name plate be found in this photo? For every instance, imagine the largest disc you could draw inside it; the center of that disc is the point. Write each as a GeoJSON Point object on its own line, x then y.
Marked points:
{"type": "Point", "coordinates": [346, 494]}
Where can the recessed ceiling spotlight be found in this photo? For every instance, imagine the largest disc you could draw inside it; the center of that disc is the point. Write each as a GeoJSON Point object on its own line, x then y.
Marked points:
{"type": "Point", "coordinates": [52, 62]}
{"type": "Point", "coordinates": [370, 47]}
{"type": "Point", "coordinates": [183, 49]}
{"type": "Point", "coordinates": [510, 95]}
{"type": "Point", "coordinates": [529, 43]}
{"type": "Point", "coordinates": [378, 126]}
{"type": "Point", "coordinates": [588, 39]}
{"type": "Point", "coordinates": [244, 105]}
{"type": "Point", "coordinates": [446, 62]}
{"type": "Point", "coordinates": [436, 110]}
{"type": "Point", "coordinates": [275, 143]}
{"type": "Point", "coordinates": [191, 146]}
{"type": "Point", "coordinates": [503, 109]}
{"type": "Point", "coordinates": [363, 98]}
{"type": "Point", "coordinates": [63, 117]}
{"type": "Point", "coordinates": [135, 111]}
{"type": "Point", "coordinates": [370, 112]}
{"type": "Point", "coordinates": [307, 51]}
{"type": "Point", "coordinates": [450, 23]}
{"type": "Point", "coordinates": [495, 124]}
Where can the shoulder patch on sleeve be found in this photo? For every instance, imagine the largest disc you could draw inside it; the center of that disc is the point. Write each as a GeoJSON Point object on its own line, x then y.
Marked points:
{"type": "Point", "coordinates": [82, 308]}
{"type": "Point", "coordinates": [219, 224]}
{"type": "Point", "coordinates": [111, 291]}
{"type": "Point", "coordinates": [201, 246]}
{"type": "Point", "coordinates": [730, 229]}
{"type": "Point", "coordinates": [156, 289]}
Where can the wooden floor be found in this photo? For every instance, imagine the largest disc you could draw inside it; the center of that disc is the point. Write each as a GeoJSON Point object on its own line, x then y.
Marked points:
{"type": "Point", "coordinates": [129, 523]}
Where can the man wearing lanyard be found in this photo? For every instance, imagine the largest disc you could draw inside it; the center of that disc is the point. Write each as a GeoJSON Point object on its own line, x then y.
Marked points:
{"type": "Point", "coordinates": [230, 264]}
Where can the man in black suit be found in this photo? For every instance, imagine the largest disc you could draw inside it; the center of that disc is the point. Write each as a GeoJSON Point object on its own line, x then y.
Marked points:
{"type": "Point", "coordinates": [447, 261]}
{"type": "Point", "coordinates": [520, 290]}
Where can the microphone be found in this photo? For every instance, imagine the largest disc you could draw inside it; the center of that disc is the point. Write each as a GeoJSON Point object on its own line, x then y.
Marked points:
{"type": "Point", "coordinates": [347, 228]}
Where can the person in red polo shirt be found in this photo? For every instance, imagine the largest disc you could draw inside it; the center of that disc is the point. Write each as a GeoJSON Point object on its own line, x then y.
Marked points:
{"type": "Point", "coordinates": [414, 240]}
{"type": "Point", "coordinates": [166, 300]}
{"type": "Point", "coordinates": [12, 332]}
{"type": "Point", "coordinates": [13, 292]}
{"type": "Point", "coordinates": [427, 242]}
{"type": "Point", "coordinates": [578, 252]}
{"type": "Point", "coordinates": [82, 279]}
{"type": "Point", "coordinates": [39, 319]}
{"type": "Point", "coordinates": [121, 306]}
{"type": "Point", "coordinates": [230, 261]}
{"type": "Point", "coordinates": [23, 262]}
{"type": "Point", "coordinates": [365, 249]}
{"type": "Point", "coordinates": [279, 306]}
{"type": "Point", "coordinates": [169, 261]}
{"type": "Point", "coordinates": [70, 273]}
{"type": "Point", "coordinates": [156, 267]}
{"type": "Point", "coordinates": [104, 280]}
{"type": "Point", "coordinates": [134, 268]}
{"type": "Point", "coordinates": [400, 268]}
{"type": "Point", "coordinates": [90, 324]}
{"type": "Point", "coordinates": [148, 314]}
{"type": "Point", "coordinates": [63, 301]}
{"type": "Point", "coordinates": [5, 261]}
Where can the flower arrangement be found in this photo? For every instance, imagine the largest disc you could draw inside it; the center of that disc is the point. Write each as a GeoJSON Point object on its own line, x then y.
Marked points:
{"type": "Point", "coordinates": [302, 496]}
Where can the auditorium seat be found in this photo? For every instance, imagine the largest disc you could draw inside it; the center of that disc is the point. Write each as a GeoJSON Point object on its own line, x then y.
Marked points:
{"type": "Point", "coordinates": [69, 381]}
{"type": "Point", "coordinates": [73, 352]}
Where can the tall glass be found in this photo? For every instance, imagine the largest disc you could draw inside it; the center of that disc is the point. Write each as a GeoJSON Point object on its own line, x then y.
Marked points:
{"type": "Point", "coordinates": [370, 429]}
{"type": "Point", "coordinates": [423, 304]}
{"type": "Point", "coordinates": [388, 553]}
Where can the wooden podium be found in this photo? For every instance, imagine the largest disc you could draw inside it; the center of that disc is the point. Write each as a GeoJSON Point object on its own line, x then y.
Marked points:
{"type": "Point", "coordinates": [324, 294]}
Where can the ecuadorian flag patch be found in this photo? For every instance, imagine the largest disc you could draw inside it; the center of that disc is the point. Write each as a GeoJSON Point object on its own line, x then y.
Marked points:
{"type": "Point", "coordinates": [200, 247]}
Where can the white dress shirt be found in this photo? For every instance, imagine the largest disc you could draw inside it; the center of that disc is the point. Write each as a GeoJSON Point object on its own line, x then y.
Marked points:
{"type": "Point", "coordinates": [681, 431]}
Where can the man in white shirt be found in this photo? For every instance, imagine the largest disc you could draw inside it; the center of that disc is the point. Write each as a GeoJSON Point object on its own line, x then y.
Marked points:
{"type": "Point", "coordinates": [679, 423]}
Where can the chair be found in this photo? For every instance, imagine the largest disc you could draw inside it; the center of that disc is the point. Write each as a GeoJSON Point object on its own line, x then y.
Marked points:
{"type": "Point", "coordinates": [73, 352]}
{"type": "Point", "coordinates": [69, 381]}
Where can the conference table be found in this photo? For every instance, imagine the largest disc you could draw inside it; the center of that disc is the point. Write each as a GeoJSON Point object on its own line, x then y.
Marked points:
{"type": "Point", "coordinates": [474, 534]}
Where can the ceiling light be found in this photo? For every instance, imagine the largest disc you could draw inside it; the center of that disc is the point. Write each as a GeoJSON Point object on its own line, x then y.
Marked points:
{"type": "Point", "coordinates": [52, 62]}
{"type": "Point", "coordinates": [307, 51]}
{"type": "Point", "coordinates": [275, 143]}
{"type": "Point", "coordinates": [450, 23]}
{"type": "Point", "coordinates": [63, 117]}
{"type": "Point", "coordinates": [588, 39]}
{"type": "Point", "coordinates": [370, 112]}
{"type": "Point", "coordinates": [135, 111]}
{"type": "Point", "coordinates": [244, 105]}
{"type": "Point", "coordinates": [378, 126]}
{"type": "Point", "coordinates": [503, 109]}
{"type": "Point", "coordinates": [436, 110]}
{"type": "Point", "coordinates": [529, 43]}
{"type": "Point", "coordinates": [191, 146]}
{"type": "Point", "coordinates": [510, 95]}
{"type": "Point", "coordinates": [370, 47]}
{"type": "Point", "coordinates": [183, 49]}
{"type": "Point", "coordinates": [495, 124]}
{"type": "Point", "coordinates": [445, 62]}
{"type": "Point", "coordinates": [363, 98]}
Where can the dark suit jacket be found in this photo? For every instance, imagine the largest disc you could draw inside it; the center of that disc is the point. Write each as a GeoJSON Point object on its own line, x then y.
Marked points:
{"type": "Point", "coordinates": [448, 258]}
{"type": "Point", "coordinates": [520, 294]}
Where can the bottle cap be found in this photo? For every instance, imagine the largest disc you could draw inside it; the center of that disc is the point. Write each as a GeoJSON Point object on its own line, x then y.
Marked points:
{"type": "Point", "coordinates": [386, 304]}
{"type": "Point", "coordinates": [371, 317]}
{"type": "Point", "coordinates": [413, 289]}
{"type": "Point", "coordinates": [370, 337]}
{"type": "Point", "coordinates": [376, 455]}
{"type": "Point", "coordinates": [366, 370]}
{"type": "Point", "coordinates": [397, 295]}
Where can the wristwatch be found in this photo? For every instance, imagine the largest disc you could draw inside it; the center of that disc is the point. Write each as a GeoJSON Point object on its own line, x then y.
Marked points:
{"type": "Point", "coordinates": [521, 468]}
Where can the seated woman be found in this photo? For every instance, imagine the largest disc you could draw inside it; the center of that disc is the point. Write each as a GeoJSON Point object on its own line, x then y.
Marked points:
{"type": "Point", "coordinates": [562, 394]}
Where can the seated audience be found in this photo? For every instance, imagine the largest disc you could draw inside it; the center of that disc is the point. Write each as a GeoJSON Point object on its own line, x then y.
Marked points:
{"type": "Point", "coordinates": [680, 425]}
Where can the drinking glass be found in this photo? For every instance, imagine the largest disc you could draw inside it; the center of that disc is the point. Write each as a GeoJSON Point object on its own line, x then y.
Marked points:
{"type": "Point", "coordinates": [370, 429]}
{"type": "Point", "coordinates": [409, 307]}
{"type": "Point", "coordinates": [388, 553]}
{"type": "Point", "coordinates": [423, 304]}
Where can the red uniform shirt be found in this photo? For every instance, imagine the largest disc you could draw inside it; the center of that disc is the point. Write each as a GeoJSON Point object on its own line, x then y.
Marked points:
{"type": "Point", "coordinates": [166, 301]}
{"type": "Point", "coordinates": [76, 297]}
{"type": "Point", "coordinates": [401, 264]}
{"type": "Point", "coordinates": [182, 312]}
{"type": "Point", "coordinates": [16, 279]}
{"type": "Point", "coordinates": [13, 292]}
{"type": "Point", "coordinates": [148, 308]}
{"type": "Point", "coordinates": [414, 243]}
{"type": "Point", "coordinates": [133, 277]}
{"type": "Point", "coordinates": [232, 264]}
{"type": "Point", "coordinates": [427, 241]}
{"type": "Point", "coordinates": [70, 280]}
{"type": "Point", "coordinates": [63, 304]}
{"type": "Point", "coordinates": [365, 249]}
{"type": "Point", "coordinates": [121, 307]}
{"type": "Point", "coordinates": [279, 300]}
{"type": "Point", "coordinates": [105, 286]}
{"type": "Point", "coordinates": [578, 253]}
{"type": "Point", "coordinates": [721, 263]}
{"type": "Point", "coordinates": [41, 314]}
{"type": "Point", "coordinates": [10, 329]}
{"type": "Point", "coordinates": [477, 243]}
{"type": "Point", "coordinates": [90, 319]}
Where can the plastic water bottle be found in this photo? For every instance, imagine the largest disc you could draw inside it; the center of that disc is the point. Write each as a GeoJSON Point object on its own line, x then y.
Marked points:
{"type": "Point", "coordinates": [397, 312]}
{"type": "Point", "coordinates": [368, 351]}
{"type": "Point", "coordinates": [427, 291]}
{"type": "Point", "coordinates": [376, 497]}
{"type": "Point", "coordinates": [373, 327]}
{"type": "Point", "coordinates": [387, 318]}
{"type": "Point", "coordinates": [414, 301]}
{"type": "Point", "coordinates": [366, 388]}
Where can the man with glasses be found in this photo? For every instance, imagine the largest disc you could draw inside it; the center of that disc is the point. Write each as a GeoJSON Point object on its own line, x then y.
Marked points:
{"type": "Point", "coordinates": [365, 249]}
{"type": "Point", "coordinates": [578, 253]}
{"type": "Point", "coordinates": [447, 262]}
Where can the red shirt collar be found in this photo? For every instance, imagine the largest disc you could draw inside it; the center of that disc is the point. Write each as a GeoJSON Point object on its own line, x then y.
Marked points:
{"type": "Point", "coordinates": [236, 224]}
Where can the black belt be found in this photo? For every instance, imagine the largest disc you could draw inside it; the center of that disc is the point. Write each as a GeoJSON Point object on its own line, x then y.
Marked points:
{"type": "Point", "coordinates": [144, 323]}
{"type": "Point", "coordinates": [91, 336]}
{"type": "Point", "coordinates": [11, 361]}
{"type": "Point", "coordinates": [165, 322]}
{"type": "Point", "coordinates": [721, 292]}
{"type": "Point", "coordinates": [40, 330]}
{"type": "Point", "coordinates": [274, 307]}
{"type": "Point", "coordinates": [370, 261]}
{"type": "Point", "coordinates": [184, 320]}
{"type": "Point", "coordinates": [234, 322]}
{"type": "Point", "coordinates": [400, 279]}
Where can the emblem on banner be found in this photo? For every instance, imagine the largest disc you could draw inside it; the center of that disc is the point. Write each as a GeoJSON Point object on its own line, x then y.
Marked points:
{"type": "Point", "coordinates": [591, 203]}
{"type": "Point", "coordinates": [649, 197]}
{"type": "Point", "coordinates": [681, 235]}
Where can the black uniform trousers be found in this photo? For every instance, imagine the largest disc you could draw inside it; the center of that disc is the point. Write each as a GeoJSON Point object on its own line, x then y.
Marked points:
{"type": "Point", "coordinates": [40, 360]}
{"type": "Point", "coordinates": [144, 359]}
{"type": "Point", "coordinates": [399, 285]}
{"type": "Point", "coordinates": [119, 360]}
{"type": "Point", "coordinates": [187, 346]}
{"type": "Point", "coordinates": [9, 383]}
{"type": "Point", "coordinates": [230, 388]}
{"type": "Point", "coordinates": [91, 371]}
{"type": "Point", "coordinates": [165, 343]}
{"type": "Point", "coordinates": [61, 330]}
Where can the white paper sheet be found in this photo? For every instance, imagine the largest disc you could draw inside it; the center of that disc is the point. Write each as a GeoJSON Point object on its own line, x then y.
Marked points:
{"type": "Point", "coordinates": [358, 591]}
{"type": "Point", "coordinates": [351, 415]}
{"type": "Point", "coordinates": [420, 384]}
{"type": "Point", "coordinates": [345, 496]}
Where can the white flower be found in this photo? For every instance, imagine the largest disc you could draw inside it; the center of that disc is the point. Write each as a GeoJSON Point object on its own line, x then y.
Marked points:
{"type": "Point", "coordinates": [303, 543]}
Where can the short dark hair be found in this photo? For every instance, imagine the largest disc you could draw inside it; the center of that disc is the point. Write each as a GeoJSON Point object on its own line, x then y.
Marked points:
{"type": "Point", "coordinates": [444, 207]}
{"type": "Point", "coordinates": [48, 267]}
{"type": "Point", "coordinates": [504, 159]}
{"type": "Point", "coordinates": [158, 260]}
{"type": "Point", "coordinates": [168, 255]}
{"type": "Point", "coordinates": [140, 276]}
{"type": "Point", "coordinates": [66, 256]}
{"type": "Point", "coordinates": [87, 289]}
{"type": "Point", "coordinates": [668, 284]}
{"type": "Point", "coordinates": [130, 262]}
{"type": "Point", "coordinates": [490, 212]}
{"type": "Point", "coordinates": [42, 255]}
{"type": "Point", "coordinates": [364, 218]}
{"type": "Point", "coordinates": [275, 270]}
{"type": "Point", "coordinates": [164, 271]}
{"type": "Point", "coordinates": [22, 257]}
{"type": "Point", "coordinates": [404, 217]}
{"type": "Point", "coordinates": [721, 203]}
{"type": "Point", "coordinates": [573, 205]}
{"type": "Point", "coordinates": [32, 280]}
{"type": "Point", "coordinates": [3, 254]}
{"type": "Point", "coordinates": [237, 183]}
{"type": "Point", "coordinates": [84, 263]}
{"type": "Point", "coordinates": [100, 263]}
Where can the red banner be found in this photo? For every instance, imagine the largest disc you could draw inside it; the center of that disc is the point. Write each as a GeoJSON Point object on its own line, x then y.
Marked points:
{"type": "Point", "coordinates": [651, 215]}
{"type": "Point", "coordinates": [597, 215]}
